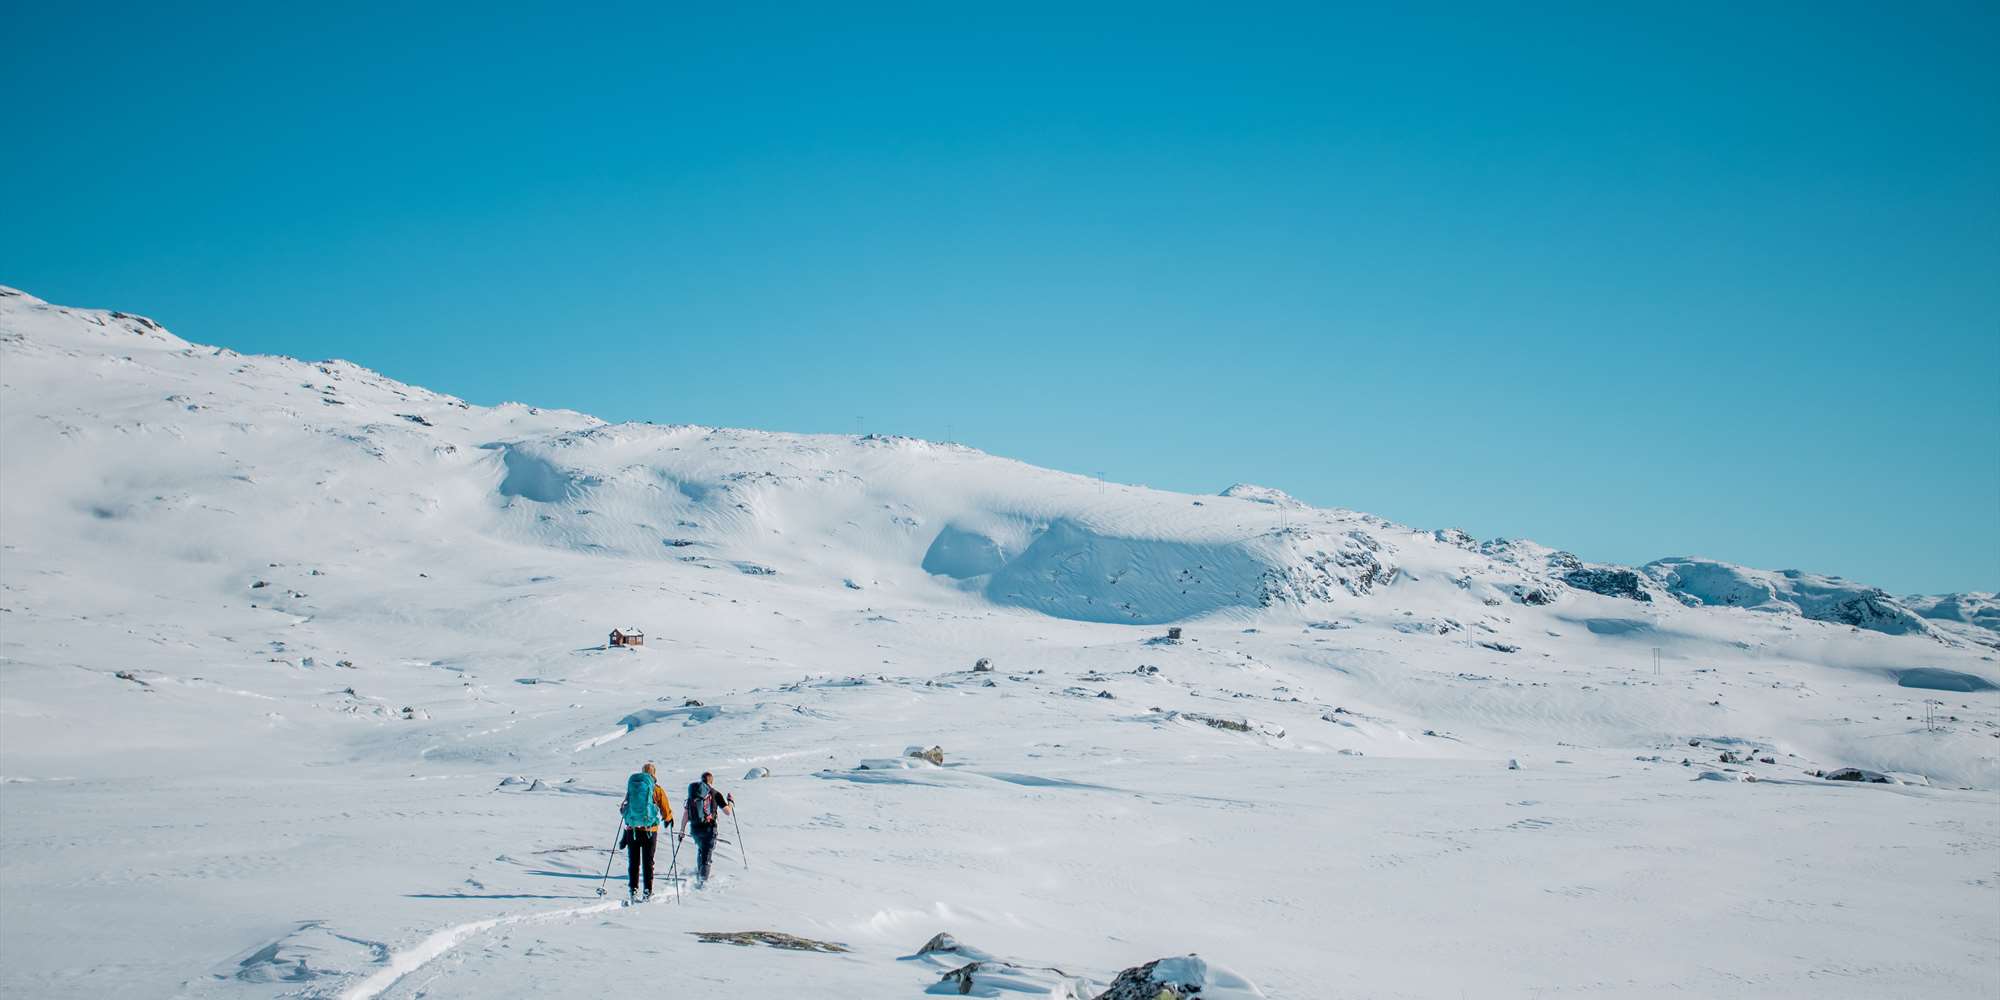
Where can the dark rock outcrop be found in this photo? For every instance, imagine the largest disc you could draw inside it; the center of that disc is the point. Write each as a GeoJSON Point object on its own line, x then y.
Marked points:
{"type": "Point", "coordinates": [1610, 581]}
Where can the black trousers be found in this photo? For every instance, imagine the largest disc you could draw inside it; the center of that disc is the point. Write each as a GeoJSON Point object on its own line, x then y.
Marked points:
{"type": "Point", "coordinates": [644, 843]}
{"type": "Point", "coordinates": [704, 843]}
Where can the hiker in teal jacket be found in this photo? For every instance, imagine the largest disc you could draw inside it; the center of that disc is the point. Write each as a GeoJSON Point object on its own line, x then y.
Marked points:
{"type": "Point", "coordinates": [645, 808]}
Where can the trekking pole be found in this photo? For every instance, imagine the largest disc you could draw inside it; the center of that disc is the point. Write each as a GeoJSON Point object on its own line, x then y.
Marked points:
{"type": "Point", "coordinates": [740, 852]}
{"type": "Point", "coordinates": [674, 864]}
{"type": "Point", "coordinates": [610, 857]}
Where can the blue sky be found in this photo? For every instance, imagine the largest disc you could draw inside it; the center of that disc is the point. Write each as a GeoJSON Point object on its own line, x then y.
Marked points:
{"type": "Point", "coordinates": [1699, 281]}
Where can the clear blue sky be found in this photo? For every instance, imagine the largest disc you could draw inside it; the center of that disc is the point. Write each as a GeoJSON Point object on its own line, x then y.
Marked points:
{"type": "Point", "coordinates": [1703, 279]}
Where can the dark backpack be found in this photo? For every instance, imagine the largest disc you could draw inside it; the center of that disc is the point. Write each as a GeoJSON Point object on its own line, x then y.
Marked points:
{"type": "Point", "coordinates": [701, 805]}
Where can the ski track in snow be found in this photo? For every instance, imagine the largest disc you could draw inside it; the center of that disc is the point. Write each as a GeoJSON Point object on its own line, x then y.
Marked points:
{"type": "Point", "coordinates": [403, 963]}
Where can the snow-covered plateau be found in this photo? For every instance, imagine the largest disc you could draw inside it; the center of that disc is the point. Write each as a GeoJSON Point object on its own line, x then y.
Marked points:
{"type": "Point", "coordinates": [305, 691]}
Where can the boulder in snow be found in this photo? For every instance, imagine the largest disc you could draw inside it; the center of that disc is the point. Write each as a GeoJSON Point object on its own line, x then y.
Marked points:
{"type": "Point", "coordinates": [941, 941]}
{"type": "Point", "coordinates": [1185, 978]}
{"type": "Point", "coordinates": [1861, 774]}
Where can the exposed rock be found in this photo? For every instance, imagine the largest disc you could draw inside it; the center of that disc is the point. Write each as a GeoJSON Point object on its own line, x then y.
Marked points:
{"type": "Point", "coordinates": [1457, 538]}
{"type": "Point", "coordinates": [982, 666]}
{"type": "Point", "coordinates": [774, 939]}
{"type": "Point", "coordinates": [134, 318]}
{"type": "Point", "coordinates": [941, 941]}
{"type": "Point", "coordinates": [1309, 572]}
{"type": "Point", "coordinates": [935, 754]}
{"type": "Point", "coordinates": [1429, 626]}
{"type": "Point", "coordinates": [961, 977]}
{"type": "Point", "coordinates": [1859, 774]}
{"type": "Point", "coordinates": [1217, 722]}
{"type": "Point", "coordinates": [990, 977]}
{"type": "Point", "coordinates": [1611, 581]}
{"type": "Point", "coordinates": [1188, 978]}
{"type": "Point", "coordinates": [1534, 596]}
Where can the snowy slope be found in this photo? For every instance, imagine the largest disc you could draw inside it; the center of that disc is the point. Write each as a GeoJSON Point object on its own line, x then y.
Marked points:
{"type": "Point", "coordinates": [322, 656]}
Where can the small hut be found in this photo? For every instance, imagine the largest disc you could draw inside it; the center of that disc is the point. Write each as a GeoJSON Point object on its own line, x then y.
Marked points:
{"type": "Point", "coordinates": [627, 636]}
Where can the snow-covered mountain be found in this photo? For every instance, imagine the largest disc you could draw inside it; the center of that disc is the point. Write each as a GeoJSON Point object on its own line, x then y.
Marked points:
{"type": "Point", "coordinates": [816, 511]}
{"type": "Point", "coordinates": [312, 624]}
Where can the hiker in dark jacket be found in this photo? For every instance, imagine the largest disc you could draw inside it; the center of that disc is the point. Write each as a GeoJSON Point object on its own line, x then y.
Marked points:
{"type": "Point", "coordinates": [705, 807]}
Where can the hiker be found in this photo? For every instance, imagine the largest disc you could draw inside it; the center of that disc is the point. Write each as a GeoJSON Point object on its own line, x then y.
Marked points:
{"type": "Point", "coordinates": [703, 803]}
{"type": "Point", "coordinates": [645, 808]}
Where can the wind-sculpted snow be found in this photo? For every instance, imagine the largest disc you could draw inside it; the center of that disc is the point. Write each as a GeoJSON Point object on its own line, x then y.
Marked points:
{"type": "Point", "coordinates": [305, 690]}
{"type": "Point", "coordinates": [533, 477]}
{"type": "Point", "coordinates": [1071, 571]}
{"type": "Point", "coordinates": [962, 554]}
